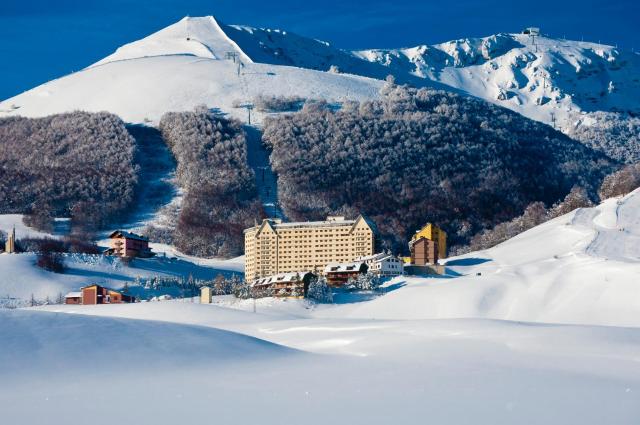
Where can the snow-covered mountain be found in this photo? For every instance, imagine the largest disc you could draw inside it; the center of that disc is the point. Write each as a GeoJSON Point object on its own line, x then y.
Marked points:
{"type": "Point", "coordinates": [201, 60]}
{"type": "Point", "coordinates": [196, 61]}
{"type": "Point", "coordinates": [207, 37]}
{"type": "Point", "coordinates": [550, 80]}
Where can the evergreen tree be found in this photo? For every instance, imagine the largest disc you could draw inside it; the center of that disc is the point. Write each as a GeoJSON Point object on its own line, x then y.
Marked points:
{"type": "Point", "coordinates": [320, 291]}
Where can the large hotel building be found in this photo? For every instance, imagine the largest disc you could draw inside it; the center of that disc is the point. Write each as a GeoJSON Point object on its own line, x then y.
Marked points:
{"type": "Point", "coordinates": [274, 247]}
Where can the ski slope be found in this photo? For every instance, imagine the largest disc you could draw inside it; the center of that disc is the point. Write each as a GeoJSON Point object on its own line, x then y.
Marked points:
{"type": "Point", "coordinates": [142, 90]}
{"type": "Point", "coordinates": [581, 268]}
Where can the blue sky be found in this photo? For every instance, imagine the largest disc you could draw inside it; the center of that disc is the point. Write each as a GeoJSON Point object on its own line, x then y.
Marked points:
{"type": "Point", "coordinates": [44, 39]}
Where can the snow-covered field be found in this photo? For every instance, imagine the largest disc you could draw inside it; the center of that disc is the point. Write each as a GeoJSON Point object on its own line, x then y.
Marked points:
{"type": "Point", "coordinates": [181, 364]}
{"type": "Point", "coordinates": [544, 328]}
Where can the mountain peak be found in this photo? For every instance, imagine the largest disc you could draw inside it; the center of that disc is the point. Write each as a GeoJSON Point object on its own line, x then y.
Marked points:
{"type": "Point", "coordinates": [203, 37]}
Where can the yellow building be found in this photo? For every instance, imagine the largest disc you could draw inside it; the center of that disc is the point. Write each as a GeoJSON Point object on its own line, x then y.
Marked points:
{"type": "Point", "coordinates": [274, 247]}
{"type": "Point", "coordinates": [436, 234]}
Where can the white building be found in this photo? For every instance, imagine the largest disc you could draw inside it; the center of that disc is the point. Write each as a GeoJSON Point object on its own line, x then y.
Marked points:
{"type": "Point", "coordinates": [383, 264]}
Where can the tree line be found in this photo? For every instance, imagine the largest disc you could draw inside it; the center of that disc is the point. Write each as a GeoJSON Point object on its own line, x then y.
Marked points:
{"type": "Point", "coordinates": [220, 197]}
{"type": "Point", "coordinates": [78, 165]}
{"type": "Point", "coordinates": [618, 183]}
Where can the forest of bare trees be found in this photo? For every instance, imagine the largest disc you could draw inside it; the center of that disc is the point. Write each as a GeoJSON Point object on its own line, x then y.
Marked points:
{"type": "Point", "coordinates": [220, 198]}
{"type": "Point", "coordinates": [423, 155]}
{"type": "Point", "coordinates": [76, 164]}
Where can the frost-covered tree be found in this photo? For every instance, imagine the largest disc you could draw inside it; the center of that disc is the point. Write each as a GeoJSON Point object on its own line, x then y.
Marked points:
{"type": "Point", "coordinates": [320, 291]}
{"type": "Point", "coordinates": [621, 182]}
{"type": "Point", "coordinates": [66, 164]}
{"type": "Point", "coordinates": [220, 193]}
{"type": "Point", "coordinates": [278, 103]}
{"type": "Point", "coordinates": [368, 282]}
{"type": "Point", "coordinates": [577, 198]}
{"type": "Point", "coordinates": [616, 134]}
{"type": "Point", "coordinates": [536, 213]}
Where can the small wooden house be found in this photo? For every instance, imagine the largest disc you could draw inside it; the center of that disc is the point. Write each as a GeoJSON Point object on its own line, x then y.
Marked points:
{"type": "Point", "coordinates": [338, 274]}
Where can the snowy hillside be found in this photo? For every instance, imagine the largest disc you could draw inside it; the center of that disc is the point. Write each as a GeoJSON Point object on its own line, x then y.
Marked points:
{"type": "Point", "coordinates": [423, 349]}
{"type": "Point", "coordinates": [207, 37]}
{"type": "Point", "coordinates": [141, 90]}
{"type": "Point", "coordinates": [550, 80]}
{"type": "Point", "coordinates": [200, 61]}
{"type": "Point", "coordinates": [581, 268]}
{"type": "Point", "coordinates": [182, 365]}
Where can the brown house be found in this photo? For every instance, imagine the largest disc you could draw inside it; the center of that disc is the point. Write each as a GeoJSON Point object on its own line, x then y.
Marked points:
{"type": "Point", "coordinates": [423, 251]}
{"type": "Point", "coordinates": [96, 294]}
{"type": "Point", "coordinates": [127, 244]}
{"type": "Point", "coordinates": [338, 274]}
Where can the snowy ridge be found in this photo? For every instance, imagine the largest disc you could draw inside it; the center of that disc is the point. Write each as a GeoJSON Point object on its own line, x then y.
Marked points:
{"type": "Point", "coordinates": [201, 37]}
{"type": "Point", "coordinates": [142, 90]}
{"type": "Point", "coordinates": [550, 80]}
{"type": "Point", "coordinates": [558, 82]}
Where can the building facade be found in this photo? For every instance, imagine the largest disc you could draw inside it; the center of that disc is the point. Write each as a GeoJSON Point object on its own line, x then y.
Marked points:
{"type": "Point", "coordinates": [73, 298]}
{"type": "Point", "coordinates": [274, 247]}
{"type": "Point", "coordinates": [127, 244]}
{"type": "Point", "coordinates": [423, 251]}
{"type": "Point", "coordinates": [383, 264]}
{"type": "Point", "coordinates": [434, 233]}
{"type": "Point", "coordinates": [96, 294]}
